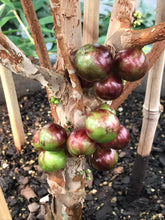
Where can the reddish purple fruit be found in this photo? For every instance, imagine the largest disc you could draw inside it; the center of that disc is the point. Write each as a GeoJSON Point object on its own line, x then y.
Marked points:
{"type": "Point", "coordinates": [102, 126]}
{"type": "Point", "coordinates": [120, 142]}
{"type": "Point", "coordinates": [131, 64]}
{"type": "Point", "coordinates": [52, 137]}
{"type": "Point", "coordinates": [35, 140]}
{"type": "Point", "coordinates": [79, 143]}
{"type": "Point", "coordinates": [104, 159]}
{"type": "Point", "coordinates": [109, 88]}
{"type": "Point", "coordinates": [93, 62]}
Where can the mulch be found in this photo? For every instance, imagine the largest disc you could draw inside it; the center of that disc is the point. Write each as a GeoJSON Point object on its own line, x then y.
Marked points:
{"type": "Point", "coordinates": [25, 187]}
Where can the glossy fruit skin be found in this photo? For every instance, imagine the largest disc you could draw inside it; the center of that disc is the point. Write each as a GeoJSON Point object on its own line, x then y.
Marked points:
{"type": "Point", "coordinates": [93, 62]}
{"type": "Point", "coordinates": [121, 141]}
{"type": "Point", "coordinates": [52, 137]}
{"type": "Point", "coordinates": [107, 107]}
{"type": "Point", "coordinates": [104, 159]}
{"type": "Point", "coordinates": [130, 64]}
{"type": "Point", "coordinates": [79, 143]}
{"type": "Point", "coordinates": [102, 126]}
{"type": "Point", "coordinates": [35, 140]}
{"type": "Point", "coordinates": [109, 88]}
{"type": "Point", "coordinates": [50, 161]}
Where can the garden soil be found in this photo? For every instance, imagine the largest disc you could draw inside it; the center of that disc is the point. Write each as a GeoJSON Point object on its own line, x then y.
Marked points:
{"type": "Point", "coordinates": [25, 187]}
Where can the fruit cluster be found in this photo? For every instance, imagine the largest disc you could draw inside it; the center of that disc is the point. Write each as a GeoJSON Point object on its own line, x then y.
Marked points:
{"type": "Point", "coordinates": [102, 135]}
{"type": "Point", "coordinates": [97, 67]}
{"type": "Point", "coordinates": [100, 138]}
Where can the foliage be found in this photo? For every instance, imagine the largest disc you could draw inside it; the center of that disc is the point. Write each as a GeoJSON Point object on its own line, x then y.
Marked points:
{"type": "Point", "coordinates": [13, 29]}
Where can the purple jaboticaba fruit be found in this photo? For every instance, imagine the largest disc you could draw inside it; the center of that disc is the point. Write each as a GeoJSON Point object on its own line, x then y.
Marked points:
{"type": "Point", "coordinates": [120, 142]}
{"type": "Point", "coordinates": [93, 62]}
{"type": "Point", "coordinates": [79, 143]}
{"type": "Point", "coordinates": [102, 126]}
{"type": "Point", "coordinates": [50, 161]}
{"type": "Point", "coordinates": [35, 140]}
{"type": "Point", "coordinates": [104, 159]}
{"type": "Point", "coordinates": [109, 88]}
{"type": "Point", "coordinates": [106, 107]}
{"type": "Point", "coordinates": [130, 64]}
{"type": "Point", "coordinates": [52, 137]}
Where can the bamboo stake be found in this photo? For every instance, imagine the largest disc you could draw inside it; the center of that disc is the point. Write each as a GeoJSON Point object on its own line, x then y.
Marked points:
{"type": "Point", "coordinates": [91, 21]}
{"type": "Point", "coordinates": [13, 107]}
{"type": "Point", "coordinates": [4, 211]}
{"type": "Point", "coordinates": [151, 114]}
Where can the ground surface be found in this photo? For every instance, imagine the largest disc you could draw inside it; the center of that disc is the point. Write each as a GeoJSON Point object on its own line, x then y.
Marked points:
{"type": "Point", "coordinates": [24, 184]}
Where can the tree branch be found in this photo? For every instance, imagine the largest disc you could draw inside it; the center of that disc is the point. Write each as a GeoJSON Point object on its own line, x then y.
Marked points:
{"type": "Point", "coordinates": [15, 60]}
{"type": "Point", "coordinates": [40, 45]}
{"type": "Point", "coordinates": [128, 38]}
{"type": "Point", "coordinates": [57, 12]}
{"type": "Point", "coordinates": [35, 30]}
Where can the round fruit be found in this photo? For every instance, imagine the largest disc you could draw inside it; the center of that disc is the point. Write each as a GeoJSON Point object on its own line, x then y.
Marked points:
{"type": "Point", "coordinates": [102, 126]}
{"type": "Point", "coordinates": [52, 137]}
{"type": "Point", "coordinates": [35, 140]}
{"type": "Point", "coordinates": [50, 161]}
{"type": "Point", "coordinates": [107, 107]}
{"type": "Point", "coordinates": [93, 62]}
{"type": "Point", "coordinates": [104, 159]}
{"type": "Point", "coordinates": [131, 64]}
{"type": "Point", "coordinates": [79, 143]}
{"type": "Point", "coordinates": [120, 142]}
{"type": "Point", "coordinates": [109, 88]}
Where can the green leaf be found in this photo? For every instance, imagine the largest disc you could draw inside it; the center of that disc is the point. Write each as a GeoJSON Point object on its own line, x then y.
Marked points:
{"type": "Point", "coordinates": [2, 7]}
{"type": "Point", "coordinates": [7, 2]}
{"type": "Point", "coordinates": [46, 20]}
{"type": "Point", "coordinates": [101, 39]}
{"type": "Point", "coordinates": [4, 20]}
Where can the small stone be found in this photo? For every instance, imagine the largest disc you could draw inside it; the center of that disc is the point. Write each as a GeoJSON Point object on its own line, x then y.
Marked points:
{"type": "Point", "coordinates": [93, 191]}
{"type": "Point", "coordinates": [33, 207]}
{"type": "Point", "coordinates": [114, 200]}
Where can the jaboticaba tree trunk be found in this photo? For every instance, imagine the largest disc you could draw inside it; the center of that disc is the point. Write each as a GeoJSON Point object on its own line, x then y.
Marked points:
{"type": "Point", "coordinates": [68, 188]}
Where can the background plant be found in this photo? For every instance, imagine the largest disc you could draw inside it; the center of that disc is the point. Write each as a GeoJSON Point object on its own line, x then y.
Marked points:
{"type": "Point", "coordinates": [12, 28]}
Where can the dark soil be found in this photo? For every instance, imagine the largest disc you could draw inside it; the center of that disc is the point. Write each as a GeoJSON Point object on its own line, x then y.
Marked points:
{"type": "Point", "coordinates": [106, 199]}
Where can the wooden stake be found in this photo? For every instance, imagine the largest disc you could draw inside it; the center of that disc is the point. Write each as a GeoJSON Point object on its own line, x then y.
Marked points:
{"type": "Point", "coordinates": [13, 107]}
{"type": "Point", "coordinates": [4, 211]}
{"type": "Point", "coordinates": [151, 113]}
{"type": "Point", "coordinates": [91, 21]}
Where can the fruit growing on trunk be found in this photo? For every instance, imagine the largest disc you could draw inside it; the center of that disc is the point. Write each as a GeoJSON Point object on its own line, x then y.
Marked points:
{"type": "Point", "coordinates": [120, 142]}
{"type": "Point", "coordinates": [102, 125]}
{"type": "Point", "coordinates": [93, 62]}
{"type": "Point", "coordinates": [50, 161]}
{"type": "Point", "coordinates": [104, 159]}
{"type": "Point", "coordinates": [107, 107]}
{"type": "Point", "coordinates": [52, 137]}
{"type": "Point", "coordinates": [35, 140]}
{"type": "Point", "coordinates": [79, 143]}
{"type": "Point", "coordinates": [130, 64]}
{"type": "Point", "coordinates": [109, 88]}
